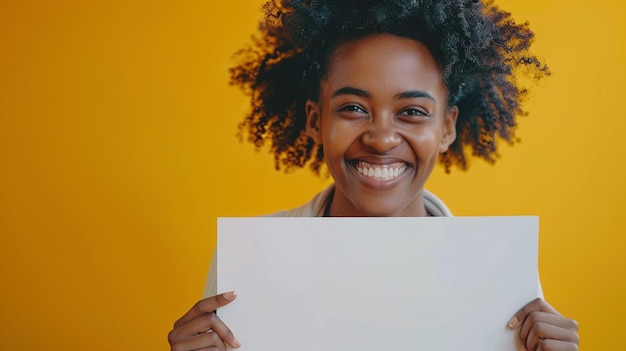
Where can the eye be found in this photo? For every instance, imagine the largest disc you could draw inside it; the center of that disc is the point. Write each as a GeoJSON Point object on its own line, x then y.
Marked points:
{"type": "Point", "coordinates": [352, 111]}
{"type": "Point", "coordinates": [352, 108]}
{"type": "Point", "coordinates": [415, 111]}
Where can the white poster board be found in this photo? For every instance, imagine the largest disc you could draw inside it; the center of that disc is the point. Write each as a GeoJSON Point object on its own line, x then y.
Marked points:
{"type": "Point", "coordinates": [343, 284]}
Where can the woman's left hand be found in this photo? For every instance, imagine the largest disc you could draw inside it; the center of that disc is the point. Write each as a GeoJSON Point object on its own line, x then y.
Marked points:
{"type": "Point", "coordinates": [544, 329]}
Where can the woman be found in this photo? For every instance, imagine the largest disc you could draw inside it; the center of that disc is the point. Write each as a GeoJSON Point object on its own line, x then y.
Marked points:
{"type": "Point", "coordinates": [379, 91]}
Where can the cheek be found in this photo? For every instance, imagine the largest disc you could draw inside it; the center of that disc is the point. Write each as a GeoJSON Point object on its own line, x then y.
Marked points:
{"type": "Point", "coordinates": [337, 139]}
{"type": "Point", "coordinates": [426, 143]}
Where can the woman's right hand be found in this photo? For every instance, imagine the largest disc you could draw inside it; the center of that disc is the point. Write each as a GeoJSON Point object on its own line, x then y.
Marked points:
{"type": "Point", "coordinates": [201, 328]}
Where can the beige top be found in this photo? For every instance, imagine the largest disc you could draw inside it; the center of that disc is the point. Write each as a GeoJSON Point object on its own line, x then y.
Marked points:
{"type": "Point", "coordinates": [315, 208]}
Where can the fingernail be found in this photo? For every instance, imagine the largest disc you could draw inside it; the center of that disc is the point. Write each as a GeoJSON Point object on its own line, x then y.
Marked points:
{"type": "Point", "coordinates": [230, 295]}
{"type": "Point", "coordinates": [513, 322]}
{"type": "Point", "coordinates": [236, 342]}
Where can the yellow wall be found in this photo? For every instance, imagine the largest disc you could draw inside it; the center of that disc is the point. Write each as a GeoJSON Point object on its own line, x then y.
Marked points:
{"type": "Point", "coordinates": [118, 151]}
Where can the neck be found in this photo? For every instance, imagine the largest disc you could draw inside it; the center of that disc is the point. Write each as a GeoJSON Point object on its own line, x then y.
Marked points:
{"type": "Point", "coordinates": [335, 207]}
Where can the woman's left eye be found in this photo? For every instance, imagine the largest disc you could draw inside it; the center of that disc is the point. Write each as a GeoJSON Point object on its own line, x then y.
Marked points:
{"type": "Point", "coordinates": [415, 112]}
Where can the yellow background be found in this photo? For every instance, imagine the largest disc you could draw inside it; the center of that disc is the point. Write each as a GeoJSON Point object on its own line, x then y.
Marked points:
{"type": "Point", "coordinates": [118, 152]}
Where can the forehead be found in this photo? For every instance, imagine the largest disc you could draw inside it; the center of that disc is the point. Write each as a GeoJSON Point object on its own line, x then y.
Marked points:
{"type": "Point", "coordinates": [384, 60]}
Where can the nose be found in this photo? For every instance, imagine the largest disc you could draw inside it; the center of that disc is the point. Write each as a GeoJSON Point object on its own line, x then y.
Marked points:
{"type": "Point", "coordinates": [381, 135]}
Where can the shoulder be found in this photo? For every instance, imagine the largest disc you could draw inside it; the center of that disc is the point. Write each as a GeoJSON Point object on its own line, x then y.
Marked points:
{"type": "Point", "coordinates": [314, 208]}
{"type": "Point", "coordinates": [434, 206]}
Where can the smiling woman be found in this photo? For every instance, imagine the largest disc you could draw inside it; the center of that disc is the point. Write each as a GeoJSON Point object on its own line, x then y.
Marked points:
{"type": "Point", "coordinates": [382, 127]}
{"type": "Point", "coordinates": [379, 92]}
{"type": "Point", "coordinates": [476, 47]}
{"type": "Point", "coordinates": [118, 151]}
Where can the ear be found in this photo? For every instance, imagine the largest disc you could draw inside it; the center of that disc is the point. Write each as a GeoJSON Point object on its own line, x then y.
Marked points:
{"type": "Point", "coordinates": [449, 128]}
{"type": "Point", "coordinates": [314, 121]}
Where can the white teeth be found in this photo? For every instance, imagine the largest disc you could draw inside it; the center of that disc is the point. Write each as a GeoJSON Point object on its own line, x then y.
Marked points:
{"type": "Point", "coordinates": [381, 172]}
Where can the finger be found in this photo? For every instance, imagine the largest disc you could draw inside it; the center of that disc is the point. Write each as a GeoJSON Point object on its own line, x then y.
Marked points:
{"type": "Point", "coordinates": [198, 325]}
{"type": "Point", "coordinates": [556, 345]}
{"type": "Point", "coordinates": [545, 331]}
{"type": "Point", "coordinates": [541, 325]}
{"type": "Point", "coordinates": [208, 322]}
{"type": "Point", "coordinates": [225, 333]}
{"type": "Point", "coordinates": [207, 305]}
{"type": "Point", "coordinates": [204, 341]}
{"type": "Point", "coordinates": [537, 304]}
{"type": "Point", "coordinates": [536, 317]}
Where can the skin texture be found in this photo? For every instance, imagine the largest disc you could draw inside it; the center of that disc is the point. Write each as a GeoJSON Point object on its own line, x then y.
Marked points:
{"type": "Point", "coordinates": [543, 328]}
{"type": "Point", "coordinates": [382, 102]}
{"type": "Point", "coordinates": [201, 328]}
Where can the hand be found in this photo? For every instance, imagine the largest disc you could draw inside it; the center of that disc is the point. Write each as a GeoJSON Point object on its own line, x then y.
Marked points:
{"type": "Point", "coordinates": [545, 329]}
{"type": "Point", "coordinates": [200, 328]}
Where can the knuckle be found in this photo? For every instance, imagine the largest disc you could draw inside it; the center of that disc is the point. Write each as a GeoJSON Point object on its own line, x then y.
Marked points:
{"type": "Point", "coordinates": [576, 340]}
{"type": "Point", "coordinates": [171, 336]}
{"type": "Point", "coordinates": [540, 344]}
{"type": "Point", "coordinates": [529, 312]}
{"type": "Point", "coordinates": [534, 304]}
{"type": "Point", "coordinates": [215, 339]}
{"type": "Point", "coordinates": [537, 329]}
{"type": "Point", "coordinates": [212, 318]}
{"type": "Point", "coordinates": [531, 318]}
{"type": "Point", "coordinates": [178, 323]}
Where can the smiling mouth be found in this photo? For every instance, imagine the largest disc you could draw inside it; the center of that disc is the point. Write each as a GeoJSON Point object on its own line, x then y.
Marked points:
{"type": "Point", "coordinates": [381, 172]}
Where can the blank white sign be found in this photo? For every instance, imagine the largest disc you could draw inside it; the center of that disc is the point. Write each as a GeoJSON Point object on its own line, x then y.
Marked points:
{"type": "Point", "coordinates": [338, 284]}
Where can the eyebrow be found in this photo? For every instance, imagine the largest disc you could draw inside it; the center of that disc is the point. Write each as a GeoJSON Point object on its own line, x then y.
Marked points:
{"type": "Point", "coordinates": [351, 91]}
{"type": "Point", "coordinates": [413, 94]}
{"type": "Point", "coordinates": [366, 94]}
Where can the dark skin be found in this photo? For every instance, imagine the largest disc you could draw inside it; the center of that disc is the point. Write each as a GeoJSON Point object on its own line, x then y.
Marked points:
{"type": "Point", "coordinates": [370, 116]}
{"type": "Point", "coordinates": [543, 328]}
{"type": "Point", "coordinates": [201, 328]}
{"type": "Point", "coordinates": [394, 116]}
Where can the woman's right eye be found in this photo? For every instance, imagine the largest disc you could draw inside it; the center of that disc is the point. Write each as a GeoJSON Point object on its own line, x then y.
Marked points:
{"type": "Point", "coordinates": [352, 109]}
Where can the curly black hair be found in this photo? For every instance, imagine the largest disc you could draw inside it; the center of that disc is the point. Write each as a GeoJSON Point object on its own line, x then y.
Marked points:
{"type": "Point", "coordinates": [479, 48]}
